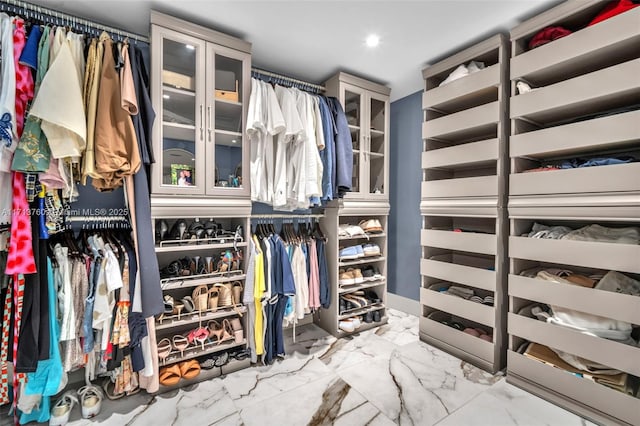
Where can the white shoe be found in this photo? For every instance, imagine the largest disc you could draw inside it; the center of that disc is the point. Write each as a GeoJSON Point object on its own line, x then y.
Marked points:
{"type": "Point", "coordinates": [459, 72]}
{"type": "Point", "coordinates": [523, 87]}
{"type": "Point", "coordinates": [347, 326]}
{"type": "Point", "coordinates": [62, 409]}
{"type": "Point", "coordinates": [475, 66]}
{"type": "Point", "coordinates": [90, 401]}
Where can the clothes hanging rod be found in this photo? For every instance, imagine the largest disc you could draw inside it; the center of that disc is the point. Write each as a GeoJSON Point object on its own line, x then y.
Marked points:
{"type": "Point", "coordinates": [38, 12]}
{"type": "Point", "coordinates": [286, 216]}
{"type": "Point", "coordinates": [96, 219]}
{"type": "Point", "coordinates": [287, 79]}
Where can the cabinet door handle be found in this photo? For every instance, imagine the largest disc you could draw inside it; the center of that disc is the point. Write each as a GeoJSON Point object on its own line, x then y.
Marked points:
{"type": "Point", "coordinates": [201, 122]}
{"type": "Point", "coordinates": [210, 121]}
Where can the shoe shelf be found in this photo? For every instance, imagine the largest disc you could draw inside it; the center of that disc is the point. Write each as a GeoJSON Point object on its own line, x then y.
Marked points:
{"type": "Point", "coordinates": [363, 327]}
{"type": "Point", "coordinates": [363, 237]}
{"type": "Point", "coordinates": [353, 213]}
{"type": "Point", "coordinates": [170, 248]}
{"type": "Point", "coordinates": [465, 126]}
{"type": "Point", "coordinates": [195, 245]}
{"type": "Point", "coordinates": [176, 283]}
{"type": "Point", "coordinates": [362, 261]}
{"type": "Point", "coordinates": [465, 253]}
{"type": "Point", "coordinates": [350, 288]}
{"type": "Point", "coordinates": [232, 366]}
{"type": "Point", "coordinates": [361, 311]}
{"type": "Point", "coordinates": [195, 317]}
{"type": "Point", "coordinates": [584, 104]}
{"type": "Point", "coordinates": [196, 351]}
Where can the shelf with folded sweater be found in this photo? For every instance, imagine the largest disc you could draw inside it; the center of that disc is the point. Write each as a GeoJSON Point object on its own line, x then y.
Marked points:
{"type": "Point", "coordinates": [465, 127]}
{"type": "Point", "coordinates": [573, 74]}
{"type": "Point", "coordinates": [356, 255]}
{"type": "Point", "coordinates": [575, 306]}
{"type": "Point", "coordinates": [464, 276]}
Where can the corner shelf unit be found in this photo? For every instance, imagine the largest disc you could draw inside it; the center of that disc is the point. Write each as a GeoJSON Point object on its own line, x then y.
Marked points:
{"type": "Point", "coordinates": [352, 213]}
{"type": "Point", "coordinates": [587, 87]}
{"type": "Point", "coordinates": [168, 250]}
{"type": "Point", "coordinates": [463, 205]}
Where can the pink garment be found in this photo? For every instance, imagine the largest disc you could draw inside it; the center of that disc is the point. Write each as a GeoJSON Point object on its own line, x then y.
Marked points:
{"type": "Point", "coordinates": [24, 78]}
{"type": "Point", "coordinates": [20, 258]}
{"type": "Point", "coordinates": [314, 277]}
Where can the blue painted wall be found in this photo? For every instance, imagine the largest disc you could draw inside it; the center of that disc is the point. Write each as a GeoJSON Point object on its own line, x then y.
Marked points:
{"type": "Point", "coordinates": [405, 179]}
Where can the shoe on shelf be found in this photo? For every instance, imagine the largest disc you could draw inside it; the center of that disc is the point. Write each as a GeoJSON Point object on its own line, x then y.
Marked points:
{"type": "Point", "coordinates": [90, 401]}
{"type": "Point", "coordinates": [459, 72]}
{"type": "Point", "coordinates": [371, 250]}
{"type": "Point", "coordinates": [346, 230]}
{"type": "Point", "coordinates": [475, 66]}
{"type": "Point", "coordinates": [351, 253]}
{"type": "Point", "coordinates": [357, 275]}
{"type": "Point", "coordinates": [371, 226]}
{"type": "Point", "coordinates": [346, 277]}
{"type": "Point", "coordinates": [372, 296]}
{"type": "Point", "coordinates": [344, 325]}
{"type": "Point", "coordinates": [162, 230]}
{"type": "Point", "coordinates": [62, 409]}
{"type": "Point", "coordinates": [368, 317]}
{"type": "Point", "coordinates": [376, 316]}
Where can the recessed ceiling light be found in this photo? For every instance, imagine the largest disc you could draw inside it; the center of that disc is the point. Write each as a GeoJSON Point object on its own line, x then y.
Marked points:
{"type": "Point", "coordinates": [190, 46]}
{"type": "Point", "coordinates": [234, 141]}
{"type": "Point", "coordinates": [166, 96]}
{"type": "Point", "coordinates": [372, 40]}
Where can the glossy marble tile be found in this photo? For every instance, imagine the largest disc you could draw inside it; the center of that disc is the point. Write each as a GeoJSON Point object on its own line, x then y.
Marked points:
{"type": "Point", "coordinates": [507, 405]}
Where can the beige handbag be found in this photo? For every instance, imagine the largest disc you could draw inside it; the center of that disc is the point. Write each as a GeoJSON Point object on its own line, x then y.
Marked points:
{"type": "Point", "coordinates": [225, 295]}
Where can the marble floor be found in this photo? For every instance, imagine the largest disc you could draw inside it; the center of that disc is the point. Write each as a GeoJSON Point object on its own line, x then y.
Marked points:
{"type": "Point", "coordinates": [383, 376]}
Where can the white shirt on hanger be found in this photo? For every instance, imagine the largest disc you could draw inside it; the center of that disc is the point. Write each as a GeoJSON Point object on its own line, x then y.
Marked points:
{"type": "Point", "coordinates": [292, 135]}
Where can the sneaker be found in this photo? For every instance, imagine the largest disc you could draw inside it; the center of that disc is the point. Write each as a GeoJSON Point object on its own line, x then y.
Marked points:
{"type": "Point", "coordinates": [371, 226]}
{"type": "Point", "coordinates": [368, 317]}
{"type": "Point", "coordinates": [350, 253]}
{"type": "Point", "coordinates": [357, 275]}
{"type": "Point", "coordinates": [351, 231]}
{"type": "Point", "coordinates": [347, 326]}
{"type": "Point", "coordinates": [524, 87]}
{"type": "Point", "coordinates": [376, 316]}
{"type": "Point", "coordinates": [367, 273]}
{"type": "Point", "coordinates": [90, 401]}
{"type": "Point", "coordinates": [459, 72]}
{"type": "Point", "coordinates": [346, 277]}
{"type": "Point", "coordinates": [360, 251]}
{"type": "Point", "coordinates": [61, 410]}
{"type": "Point", "coordinates": [371, 250]}
{"type": "Point", "coordinates": [475, 66]}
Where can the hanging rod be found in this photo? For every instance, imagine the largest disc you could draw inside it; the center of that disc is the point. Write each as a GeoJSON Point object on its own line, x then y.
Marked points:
{"type": "Point", "coordinates": [96, 219]}
{"type": "Point", "coordinates": [286, 216]}
{"type": "Point", "coordinates": [285, 78]}
{"type": "Point", "coordinates": [38, 12]}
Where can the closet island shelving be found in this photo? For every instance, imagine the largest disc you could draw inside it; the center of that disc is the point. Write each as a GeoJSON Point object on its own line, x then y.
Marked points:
{"type": "Point", "coordinates": [463, 203]}
{"type": "Point", "coordinates": [584, 105]}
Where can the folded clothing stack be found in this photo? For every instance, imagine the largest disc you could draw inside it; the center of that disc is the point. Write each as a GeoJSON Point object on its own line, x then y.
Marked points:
{"type": "Point", "coordinates": [462, 71]}
{"type": "Point", "coordinates": [578, 163]}
{"type": "Point", "coordinates": [462, 292]}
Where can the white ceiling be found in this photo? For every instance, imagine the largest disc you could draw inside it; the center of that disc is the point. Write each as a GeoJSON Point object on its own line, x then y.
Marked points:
{"type": "Point", "coordinates": [311, 39]}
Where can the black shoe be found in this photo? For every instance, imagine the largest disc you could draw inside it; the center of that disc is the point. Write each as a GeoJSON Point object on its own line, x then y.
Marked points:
{"type": "Point", "coordinates": [343, 305]}
{"type": "Point", "coordinates": [372, 297]}
{"type": "Point", "coordinates": [196, 230]}
{"type": "Point", "coordinates": [162, 229]}
{"type": "Point", "coordinates": [179, 230]}
{"type": "Point", "coordinates": [368, 317]}
{"type": "Point", "coordinates": [376, 316]}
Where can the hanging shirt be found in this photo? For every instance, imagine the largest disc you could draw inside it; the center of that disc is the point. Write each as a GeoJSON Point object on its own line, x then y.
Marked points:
{"type": "Point", "coordinates": [312, 163]}
{"type": "Point", "coordinates": [344, 149]}
{"type": "Point", "coordinates": [292, 135]}
{"type": "Point", "coordinates": [24, 78]}
{"type": "Point", "coordinates": [299, 269]}
{"type": "Point", "coordinates": [93, 71]}
{"type": "Point", "coordinates": [7, 116]}
{"type": "Point", "coordinates": [328, 154]}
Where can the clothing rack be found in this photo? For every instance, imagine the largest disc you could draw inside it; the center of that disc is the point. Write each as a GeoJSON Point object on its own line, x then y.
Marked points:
{"type": "Point", "coordinates": [53, 17]}
{"type": "Point", "coordinates": [287, 216]}
{"type": "Point", "coordinates": [107, 219]}
{"type": "Point", "coordinates": [283, 80]}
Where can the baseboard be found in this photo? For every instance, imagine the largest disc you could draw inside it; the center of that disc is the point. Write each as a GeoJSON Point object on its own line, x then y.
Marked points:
{"type": "Point", "coordinates": [404, 304]}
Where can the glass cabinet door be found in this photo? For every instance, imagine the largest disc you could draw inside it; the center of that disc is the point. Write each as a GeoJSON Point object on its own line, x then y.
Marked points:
{"type": "Point", "coordinates": [179, 103]}
{"type": "Point", "coordinates": [377, 144]}
{"type": "Point", "coordinates": [228, 76]}
{"type": "Point", "coordinates": [353, 108]}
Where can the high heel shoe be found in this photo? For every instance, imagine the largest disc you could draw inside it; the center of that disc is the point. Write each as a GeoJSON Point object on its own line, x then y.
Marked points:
{"type": "Point", "coordinates": [215, 330]}
{"type": "Point", "coordinates": [228, 330]}
{"type": "Point", "coordinates": [162, 229]}
{"type": "Point", "coordinates": [238, 331]}
{"type": "Point", "coordinates": [236, 286]}
{"type": "Point", "coordinates": [200, 296]}
{"type": "Point", "coordinates": [213, 299]}
{"type": "Point", "coordinates": [199, 335]}
{"type": "Point", "coordinates": [164, 349]}
{"type": "Point", "coordinates": [180, 343]}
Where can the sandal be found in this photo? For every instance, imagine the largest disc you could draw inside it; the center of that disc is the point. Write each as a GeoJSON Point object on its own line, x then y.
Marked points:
{"type": "Point", "coordinates": [238, 331]}
{"type": "Point", "coordinates": [215, 330]}
{"type": "Point", "coordinates": [221, 359]}
{"type": "Point", "coordinates": [180, 343]}
{"type": "Point", "coordinates": [213, 299]}
{"type": "Point", "coordinates": [61, 410]}
{"type": "Point", "coordinates": [164, 349]}
{"type": "Point", "coordinates": [170, 376]}
{"type": "Point", "coordinates": [168, 304]}
{"type": "Point", "coordinates": [228, 330]}
{"type": "Point", "coordinates": [241, 354]}
{"type": "Point", "coordinates": [177, 309]}
{"type": "Point", "coordinates": [90, 401]}
{"type": "Point", "coordinates": [189, 306]}
{"type": "Point", "coordinates": [200, 295]}
{"type": "Point", "coordinates": [237, 288]}
{"type": "Point", "coordinates": [199, 335]}
{"type": "Point", "coordinates": [189, 369]}
{"type": "Point", "coordinates": [109, 389]}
